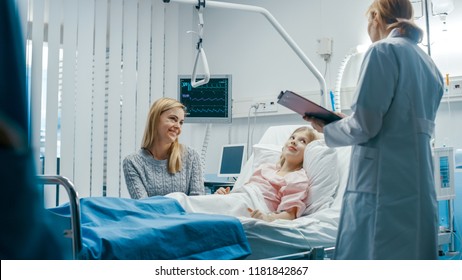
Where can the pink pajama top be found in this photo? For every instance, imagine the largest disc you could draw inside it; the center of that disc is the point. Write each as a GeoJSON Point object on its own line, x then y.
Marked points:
{"type": "Point", "coordinates": [281, 192]}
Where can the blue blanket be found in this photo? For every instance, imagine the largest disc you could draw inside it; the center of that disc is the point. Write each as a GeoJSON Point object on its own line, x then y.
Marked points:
{"type": "Point", "coordinates": [155, 228]}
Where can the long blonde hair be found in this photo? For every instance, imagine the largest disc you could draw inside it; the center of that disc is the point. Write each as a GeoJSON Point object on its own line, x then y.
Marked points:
{"type": "Point", "coordinates": [150, 132]}
{"type": "Point", "coordinates": [397, 14]}
{"type": "Point", "coordinates": [310, 134]}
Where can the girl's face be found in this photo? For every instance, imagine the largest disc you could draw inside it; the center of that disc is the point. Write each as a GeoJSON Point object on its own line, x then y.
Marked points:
{"type": "Point", "coordinates": [170, 123]}
{"type": "Point", "coordinates": [294, 148]}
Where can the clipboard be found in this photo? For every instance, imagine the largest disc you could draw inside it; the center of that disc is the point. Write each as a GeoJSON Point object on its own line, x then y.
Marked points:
{"type": "Point", "coordinates": [306, 107]}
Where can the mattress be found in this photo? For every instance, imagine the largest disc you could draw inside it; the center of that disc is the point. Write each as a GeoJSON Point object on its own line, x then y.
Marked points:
{"type": "Point", "coordinates": [155, 228]}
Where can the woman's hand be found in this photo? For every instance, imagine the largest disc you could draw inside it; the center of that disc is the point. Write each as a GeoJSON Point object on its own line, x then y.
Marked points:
{"type": "Point", "coordinates": [222, 190]}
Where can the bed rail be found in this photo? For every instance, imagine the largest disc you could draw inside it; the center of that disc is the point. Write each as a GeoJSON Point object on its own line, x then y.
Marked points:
{"type": "Point", "coordinates": [317, 253]}
{"type": "Point", "coordinates": [75, 231]}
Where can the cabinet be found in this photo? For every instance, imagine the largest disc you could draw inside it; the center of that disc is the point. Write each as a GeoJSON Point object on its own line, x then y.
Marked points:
{"type": "Point", "coordinates": [213, 183]}
{"type": "Point", "coordinates": [444, 163]}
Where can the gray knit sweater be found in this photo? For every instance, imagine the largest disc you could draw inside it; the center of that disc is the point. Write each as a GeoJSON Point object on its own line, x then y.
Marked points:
{"type": "Point", "coordinates": [146, 176]}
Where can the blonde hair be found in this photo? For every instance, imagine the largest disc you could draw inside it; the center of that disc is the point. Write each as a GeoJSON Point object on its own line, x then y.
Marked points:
{"type": "Point", "coordinates": [150, 132]}
{"type": "Point", "coordinates": [397, 14]}
{"type": "Point", "coordinates": [310, 134]}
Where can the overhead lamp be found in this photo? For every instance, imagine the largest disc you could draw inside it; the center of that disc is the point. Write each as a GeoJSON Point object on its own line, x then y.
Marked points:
{"type": "Point", "coordinates": [442, 8]}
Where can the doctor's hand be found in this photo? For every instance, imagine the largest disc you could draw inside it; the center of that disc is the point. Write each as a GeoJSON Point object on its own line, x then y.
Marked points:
{"type": "Point", "coordinates": [222, 190]}
{"type": "Point", "coordinates": [319, 124]}
{"type": "Point", "coordinates": [316, 123]}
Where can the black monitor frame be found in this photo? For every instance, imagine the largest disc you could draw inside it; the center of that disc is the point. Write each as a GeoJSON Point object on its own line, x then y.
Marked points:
{"type": "Point", "coordinates": [226, 106]}
{"type": "Point", "coordinates": [232, 159]}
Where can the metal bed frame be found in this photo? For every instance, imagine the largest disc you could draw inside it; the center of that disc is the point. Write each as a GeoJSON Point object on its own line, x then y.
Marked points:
{"type": "Point", "coordinates": [75, 233]}
{"type": "Point", "coordinates": [316, 253]}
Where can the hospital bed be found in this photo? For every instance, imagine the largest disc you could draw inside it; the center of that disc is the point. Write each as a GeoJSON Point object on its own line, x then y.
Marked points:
{"type": "Point", "coordinates": [310, 236]}
{"type": "Point", "coordinates": [313, 235]}
{"type": "Point", "coordinates": [97, 228]}
{"type": "Point", "coordinates": [151, 228]}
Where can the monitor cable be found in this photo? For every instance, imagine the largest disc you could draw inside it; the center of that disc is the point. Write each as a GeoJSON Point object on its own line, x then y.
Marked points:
{"type": "Point", "coordinates": [205, 146]}
{"type": "Point", "coordinates": [338, 81]}
{"type": "Point", "coordinates": [249, 141]}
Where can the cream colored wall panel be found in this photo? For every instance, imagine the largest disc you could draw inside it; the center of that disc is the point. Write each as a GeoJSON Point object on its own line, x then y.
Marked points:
{"type": "Point", "coordinates": [129, 99]}
{"type": "Point", "coordinates": [99, 98]}
{"type": "Point", "coordinates": [144, 67]}
{"type": "Point", "coordinates": [68, 95]}
{"type": "Point", "coordinates": [83, 125]}
{"type": "Point", "coordinates": [114, 98]}
{"type": "Point", "coordinates": [36, 75]}
{"type": "Point", "coordinates": [52, 88]}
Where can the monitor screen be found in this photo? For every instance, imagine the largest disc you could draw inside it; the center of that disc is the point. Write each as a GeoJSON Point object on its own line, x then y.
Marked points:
{"type": "Point", "coordinates": [231, 160]}
{"type": "Point", "coordinates": [209, 103]}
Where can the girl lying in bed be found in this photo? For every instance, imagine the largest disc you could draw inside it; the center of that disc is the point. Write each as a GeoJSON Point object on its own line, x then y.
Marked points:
{"type": "Point", "coordinates": [275, 190]}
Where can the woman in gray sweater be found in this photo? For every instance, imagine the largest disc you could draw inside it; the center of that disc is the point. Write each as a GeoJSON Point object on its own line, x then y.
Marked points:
{"type": "Point", "coordinates": [163, 165]}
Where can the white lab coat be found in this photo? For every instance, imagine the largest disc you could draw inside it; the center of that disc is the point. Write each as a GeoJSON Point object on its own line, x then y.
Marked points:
{"type": "Point", "coordinates": [389, 208]}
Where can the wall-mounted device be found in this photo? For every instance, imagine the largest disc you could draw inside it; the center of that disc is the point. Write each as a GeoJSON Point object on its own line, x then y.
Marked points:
{"type": "Point", "coordinates": [209, 103]}
{"type": "Point", "coordinates": [443, 160]}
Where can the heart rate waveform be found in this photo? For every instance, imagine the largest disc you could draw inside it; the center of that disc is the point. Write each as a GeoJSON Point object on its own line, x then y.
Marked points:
{"type": "Point", "coordinates": [214, 83]}
{"type": "Point", "coordinates": [209, 102]}
{"type": "Point", "coordinates": [205, 99]}
{"type": "Point", "coordinates": [206, 111]}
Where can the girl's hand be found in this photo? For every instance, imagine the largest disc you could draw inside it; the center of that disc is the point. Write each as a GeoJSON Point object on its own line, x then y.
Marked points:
{"type": "Point", "coordinates": [289, 214]}
{"type": "Point", "coordinates": [257, 214]}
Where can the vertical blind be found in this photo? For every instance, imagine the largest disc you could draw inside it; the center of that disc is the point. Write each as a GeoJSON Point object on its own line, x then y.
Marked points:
{"type": "Point", "coordinates": [93, 67]}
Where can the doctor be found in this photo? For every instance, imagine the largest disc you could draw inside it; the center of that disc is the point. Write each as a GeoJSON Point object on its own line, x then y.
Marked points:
{"type": "Point", "coordinates": [26, 233]}
{"type": "Point", "coordinates": [389, 208]}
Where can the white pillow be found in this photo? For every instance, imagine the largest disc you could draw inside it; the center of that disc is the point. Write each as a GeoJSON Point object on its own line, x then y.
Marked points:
{"type": "Point", "coordinates": [265, 153]}
{"type": "Point", "coordinates": [321, 166]}
{"type": "Point", "coordinates": [343, 156]}
{"type": "Point", "coordinates": [262, 153]}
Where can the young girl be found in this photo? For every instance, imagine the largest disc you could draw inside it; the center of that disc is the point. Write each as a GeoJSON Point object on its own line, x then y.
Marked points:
{"type": "Point", "coordinates": [284, 186]}
{"type": "Point", "coordinates": [275, 190]}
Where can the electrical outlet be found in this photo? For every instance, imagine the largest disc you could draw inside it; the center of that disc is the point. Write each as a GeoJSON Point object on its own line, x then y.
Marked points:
{"type": "Point", "coordinates": [455, 87]}
{"type": "Point", "coordinates": [325, 46]}
{"type": "Point", "coordinates": [267, 107]}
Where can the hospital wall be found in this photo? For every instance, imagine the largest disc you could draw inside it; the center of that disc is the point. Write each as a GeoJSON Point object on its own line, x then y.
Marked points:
{"type": "Point", "coordinates": [240, 43]}
{"type": "Point", "coordinates": [245, 45]}
{"type": "Point", "coordinates": [262, 64]}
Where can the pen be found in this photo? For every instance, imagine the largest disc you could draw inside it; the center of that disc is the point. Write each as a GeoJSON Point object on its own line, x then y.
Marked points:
{"type": "Point", "coordinates": [332, 100]}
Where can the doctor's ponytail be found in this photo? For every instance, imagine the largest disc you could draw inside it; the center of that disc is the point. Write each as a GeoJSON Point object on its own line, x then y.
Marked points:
{"type": "Point", "coordinates": [398, 14]}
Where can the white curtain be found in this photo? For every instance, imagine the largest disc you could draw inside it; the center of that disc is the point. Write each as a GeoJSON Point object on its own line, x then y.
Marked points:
{"type": "Point", "coordinates": [95, 66]}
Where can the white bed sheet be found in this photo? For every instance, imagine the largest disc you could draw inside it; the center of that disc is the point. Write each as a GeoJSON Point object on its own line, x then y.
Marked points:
{"type": "Point", "coordinates": [282, 237]}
